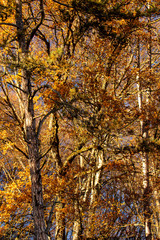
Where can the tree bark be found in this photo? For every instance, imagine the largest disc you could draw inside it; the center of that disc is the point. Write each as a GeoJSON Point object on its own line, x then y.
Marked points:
{"type": "Point", "coordinates": [30, 132]}
{"type": "Point", "coordinates": [60, 219]}
{"type": "Point", "coordinates": [77, 227]}
{"type": "Point", "coordinates": [95, 189]}
{"type": "Point", "coordinates": [144, 127]}
{"type": "Point", "coordinates": [60, 214]}
{"type": "Point", "coordinates": [157, 213]}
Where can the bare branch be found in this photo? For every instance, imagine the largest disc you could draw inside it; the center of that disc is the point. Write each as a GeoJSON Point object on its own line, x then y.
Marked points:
{"type": "Point", "coordinates": [72, 156]}
{"type": "Point", "coordinates": [11, 106]}
{"type": "Point", "coordinates": [20, 150]}
{"type": "Point", "coordinates": [16, 87]}
{"type": "Point", "coordinates": [8, 24]}
{"type": "Point", "coordinates": [49, 221]}
{"type": "Point", "coordinates": [63, 4]}
{"type": "Point", "coordinates": [44, 156]}
{"type": "Point", "coordinates": [43, 38]}
{"type": "Point", "coordinates": [44, 118]}
{"type": "Point", "coordinates": [38, 89]}
{"type": "Point", "coordinates": [38, 25]}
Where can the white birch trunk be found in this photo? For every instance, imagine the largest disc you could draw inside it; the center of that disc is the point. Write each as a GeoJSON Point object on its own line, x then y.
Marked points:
{"type": "Point", "coordinates": [145, 158]}
{"type": "Point", "coordinates": [95, 188]}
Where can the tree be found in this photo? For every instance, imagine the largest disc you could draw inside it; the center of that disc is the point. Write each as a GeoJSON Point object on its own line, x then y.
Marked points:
{"type": "Point", "coordinates": [68, 104]}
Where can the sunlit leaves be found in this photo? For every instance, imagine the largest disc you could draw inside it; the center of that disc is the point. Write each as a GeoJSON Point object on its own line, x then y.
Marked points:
{"type": "Point", "coordinates": [82, 70]}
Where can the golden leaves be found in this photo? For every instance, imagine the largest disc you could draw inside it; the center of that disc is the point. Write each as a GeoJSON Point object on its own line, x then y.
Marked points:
{"type": "Point", "coordinates": [16, 195]}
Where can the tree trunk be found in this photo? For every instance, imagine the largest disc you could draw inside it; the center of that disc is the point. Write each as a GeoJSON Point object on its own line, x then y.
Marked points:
{"type": "Point", "coordinates": [144, 127]}
{"type": "Point", "coordinates": [30, 132]}
{"type": "Point", "coordinates": [60, 219]}
{"type": "Point", "coordinates": [95, 188]}
{"type": "Point", "coordinates": [157, 213]}
{"type": "Point", "coordinates": [77, 227]}
{"type": "Point", "coordinates": [34, 157]}
{"type": "Point", "coordinates": [37, 195]}
{"type": "Point", "coordinates": [60, 214]}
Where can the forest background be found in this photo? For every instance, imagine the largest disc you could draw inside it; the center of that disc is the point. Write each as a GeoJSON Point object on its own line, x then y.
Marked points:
{"type": "Point", "coordinates": [80, 119]}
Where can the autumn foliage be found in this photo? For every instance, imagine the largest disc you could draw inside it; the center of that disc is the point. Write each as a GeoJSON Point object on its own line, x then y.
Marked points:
{"type": "Point", "coordinates": [79, 126]}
